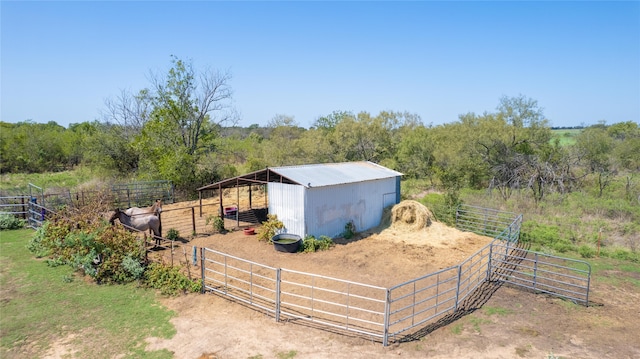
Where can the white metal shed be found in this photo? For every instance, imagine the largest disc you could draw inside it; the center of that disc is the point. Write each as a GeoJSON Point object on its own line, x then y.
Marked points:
{"type": "Point", "coordinates": [320, 199]}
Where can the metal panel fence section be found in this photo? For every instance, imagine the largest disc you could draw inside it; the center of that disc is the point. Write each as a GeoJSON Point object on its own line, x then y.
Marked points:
{"type": "Point", "coordinates": [421, 300]}
{"type": "Point", "coordinates": [487, 221]}
{"type": "Point", "coordinates": [15, 205]}
{"type": "Point", "coordinates": [562, 277]}
{"type": "Point", "coordinates": [425, 299]}
{"type": "Point", "coordinates": [347, 305]}
{"type": "Point", "coordinates": [249, 282]}
{"type": "Point", "coordinates": [140, 194]}
{"type": "Point", "coordinates": [473, 272]}
{"type": "Point", "coordinates": [37, 215]}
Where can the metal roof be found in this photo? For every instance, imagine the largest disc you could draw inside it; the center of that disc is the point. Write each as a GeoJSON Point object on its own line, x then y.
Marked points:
{"type": "Point", "coordinates": [330, 174]}
{"type": "Point", "coordinates": [315, 175]}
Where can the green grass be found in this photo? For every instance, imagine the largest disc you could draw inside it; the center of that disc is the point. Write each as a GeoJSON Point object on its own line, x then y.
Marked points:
{"type": "Point", "coordinates": [66, 179]}
{"type": "Point", "coordinates": [489, 310]}
{"type": "Point", "coordinates": [566, 137]}
{"type": "Point", "coordinates": [40, 305]}
{"type": "Point", "coordinates": [287, 355]}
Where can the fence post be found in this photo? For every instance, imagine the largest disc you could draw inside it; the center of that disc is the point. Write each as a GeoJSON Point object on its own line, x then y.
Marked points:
{"type": "Point", "coordinates": [195, 256]}
{"type": "Point", "coordinates": [193, 219]}
{"type": "Point", "coordinates": [458, 287]}
{"type": "Point", "coordinates": [160, 223]}
{"type": "Point", "coordinates": [535, 269]}
{"type": "Point", "coordinates": [586, 303]}
{"type": "Point", "coordinates": [387, 310]}
{"type": "Point", "coordinates": [24, 210]}
{"type": "Point", "coordinates": [201, 267]}
{"type": "Point", "coordinates": [489, 263]}
{"type": "Point", "coordinates": [278, 280]}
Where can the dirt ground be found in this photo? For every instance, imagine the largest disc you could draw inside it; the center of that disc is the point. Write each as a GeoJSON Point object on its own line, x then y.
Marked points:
{"type": "Point", "coordinates": [507, 322]}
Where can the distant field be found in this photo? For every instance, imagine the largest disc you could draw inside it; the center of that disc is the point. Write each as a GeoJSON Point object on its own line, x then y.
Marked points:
{"type": "Point", "coordinates": [567, 137]}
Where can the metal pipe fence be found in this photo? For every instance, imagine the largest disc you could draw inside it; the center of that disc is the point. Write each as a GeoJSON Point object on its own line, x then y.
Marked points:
{"type": "Point", "coordinates": [562, 277]}
{"type": "Point", "coordinates": [383, 313]}
{"type": "Point", "coordinates": [403, 309]}
{"type": "Point", "coordinates": [485, 221]}
{"type": "Point", "coordinates": [15, 205]}
{"type": "Point", "coordinates": [421, 300]}
{"type": "Point", "coordinates": [342, 304]}
{"type": "Point", "coordinates": [246, 281]}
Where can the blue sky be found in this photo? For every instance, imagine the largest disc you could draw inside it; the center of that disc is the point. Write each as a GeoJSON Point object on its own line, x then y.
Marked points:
{"type": "Point", "coordinates": [60, 61]}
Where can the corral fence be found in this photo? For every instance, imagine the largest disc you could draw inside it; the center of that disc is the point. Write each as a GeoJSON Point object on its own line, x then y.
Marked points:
{"type": "Point", "coordinates": [380, 313]}
{"type": "Point", "coordinates": [139, 194]}
{"type": "Point", "coordinates": [399, 311]}
{"type": "Point", "coordinates": [29, 207]}
{"type": "Point", "coordinates": [34, 202]}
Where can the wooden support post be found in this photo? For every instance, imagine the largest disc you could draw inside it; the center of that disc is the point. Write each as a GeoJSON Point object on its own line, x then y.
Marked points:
{"type": "Point", "coordinates": [193, 218]}
{"type": "Point", "coordinates": [221, 207]}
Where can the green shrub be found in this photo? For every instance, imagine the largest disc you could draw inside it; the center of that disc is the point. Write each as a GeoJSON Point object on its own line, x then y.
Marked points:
{"type": "Point", "coordinates": [133, 266]}
{"type": "Point", "coordinates": [36, 245]}
{"type": "Point", "coordinates": [270, 228]}
{"type": "Point", "coordinates": [217, 222]}
{"type": "Point", "coordinates": [562, 246]}
{"type": "Point", "coordinates": [173, 234]}
{"type": "Point", "coordinates": [625, 255]}
{"type": "Point", "coordinates": [349, 230]}
{"type": "Point", "coordinates": [311, 244]}
{"type": "Point", "coordinates": [533, 232]}
{"type": "Point", "coordinates": [169, 280]}
{"type": "Point", "coordinates": [586, 251]}
{"type": "Point", "coordinates": [9, 221]}
{"type": "Point", "coordinates": [437, 204]}
{"type": "Point", "coordinates": [104, 252]}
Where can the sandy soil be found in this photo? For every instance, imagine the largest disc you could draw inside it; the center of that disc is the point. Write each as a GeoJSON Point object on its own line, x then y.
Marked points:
{"type": "Point", "coordinates": [510, 323]}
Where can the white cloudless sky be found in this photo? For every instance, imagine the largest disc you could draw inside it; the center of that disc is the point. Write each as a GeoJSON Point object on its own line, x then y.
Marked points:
{"type": "Point", "coordinates": [580, 60]}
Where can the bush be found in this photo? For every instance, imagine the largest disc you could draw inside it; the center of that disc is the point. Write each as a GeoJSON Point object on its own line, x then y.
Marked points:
{"type": "Point", "coordinates": [563, 246]}
{"type": "Point", "coordinates": [36, 245]}
{"type": "Point", "coordinates": [586, 251]}
{"type": "Point", "coordinates": [217, 222]}
{"type": "Point", "coordinates": [349, 230]}
{"type": "Point", "coordinates": [533, 232]}
{"type": "Point", "coordinates": [625, 255]}
{"type": "Point", "coordinates": [270, 228]}
{"type": "Point", "coordinates": [108, 254]}
{"type": "Point", "coordinates": [169, 280]}
{"type": "Point", "coordinates": [173, 234]}
{"type": "Point", "coordinates": [311, 244]}
{"type": "Point", "coordinates": [9, 221]}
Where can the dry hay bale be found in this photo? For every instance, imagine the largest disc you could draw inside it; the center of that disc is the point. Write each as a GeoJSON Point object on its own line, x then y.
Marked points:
{"type": "Point", "coordinates": [410, 216]}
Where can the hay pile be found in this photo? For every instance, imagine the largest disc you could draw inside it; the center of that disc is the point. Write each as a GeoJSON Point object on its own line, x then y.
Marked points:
{"type": "Point", "coordinates": [410, 216]}
{"type": "Point", "coordinates": [410, 222]}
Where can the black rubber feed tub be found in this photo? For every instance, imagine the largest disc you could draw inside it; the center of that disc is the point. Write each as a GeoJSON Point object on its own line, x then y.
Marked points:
{"type": "Point", "coordinates": [285, 242]}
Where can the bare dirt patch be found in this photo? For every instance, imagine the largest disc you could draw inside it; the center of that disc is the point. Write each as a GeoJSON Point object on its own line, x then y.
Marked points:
{"type": "Point", "coordinates": [510, 324]}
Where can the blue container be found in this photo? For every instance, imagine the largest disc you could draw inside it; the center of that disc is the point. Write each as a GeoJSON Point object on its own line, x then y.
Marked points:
{"type": "Point", "coordinates": [285, 242]}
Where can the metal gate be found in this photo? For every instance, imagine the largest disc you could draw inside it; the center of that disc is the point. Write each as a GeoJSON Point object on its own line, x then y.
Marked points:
{"type": "Point", "coordinates": [562, 277]}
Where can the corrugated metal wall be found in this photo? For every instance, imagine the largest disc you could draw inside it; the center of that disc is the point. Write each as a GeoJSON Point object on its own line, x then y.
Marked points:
{"type": "Point", "coordinates": [287, 201]}
{"type": "Point", "coordinates": [326, 210]}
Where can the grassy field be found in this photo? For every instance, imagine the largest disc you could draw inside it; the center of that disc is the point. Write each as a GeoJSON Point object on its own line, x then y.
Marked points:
{"type": "Point", "coordinates": [49, 311]}
{"type": "Point", "coordinates": [67, 179]}
{"type": "Point", "coordinates": [567, 137]}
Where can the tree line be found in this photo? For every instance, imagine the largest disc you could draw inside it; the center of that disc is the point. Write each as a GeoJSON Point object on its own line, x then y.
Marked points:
{"type": "Point", "coordinates": [184, 129]}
